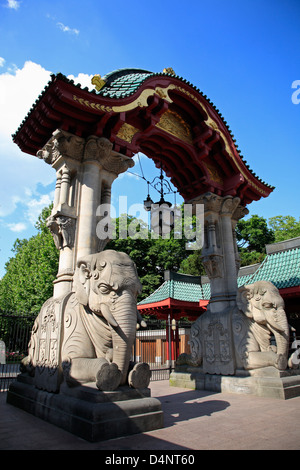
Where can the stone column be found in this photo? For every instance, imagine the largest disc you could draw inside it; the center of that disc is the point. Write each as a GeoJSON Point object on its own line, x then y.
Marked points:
{"type": "Point", "coordinates": [100, 167]}
{"type": "Point", "coordinates": [212, 334]}
{"type": "Point", "coordinates": [63, 151]}
{"type": "Point", "coordinates": [85, 171]}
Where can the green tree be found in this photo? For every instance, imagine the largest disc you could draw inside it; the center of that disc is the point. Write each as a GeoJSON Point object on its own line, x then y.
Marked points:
{"type": "Point", "coordinates": [28, 281]}
{"type": "Point", "coordinates": [284, 227]}
{"type": "Point", "coordinates": [151, 256]}
{"type": "Point", "coordinates": [193, 264]}
{"type": "Point", "coordinates": [254, 233]}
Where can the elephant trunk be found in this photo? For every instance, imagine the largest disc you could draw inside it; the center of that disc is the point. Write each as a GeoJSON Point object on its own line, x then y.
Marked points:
{"type": "Point", "coordinates": [278, 324]}
{"type": "Point", "coordinates": [123, 335]}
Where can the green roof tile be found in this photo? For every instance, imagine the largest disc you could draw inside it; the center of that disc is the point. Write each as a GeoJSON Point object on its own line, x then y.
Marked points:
{"type": "Point", "coordinates": [175, 290]}
{"type": "Point", "coordinates": [123, 82]}
{"type": "Point", "coordinates": [281, 268]}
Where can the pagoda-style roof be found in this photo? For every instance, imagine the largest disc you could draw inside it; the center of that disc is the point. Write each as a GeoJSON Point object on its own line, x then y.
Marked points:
{"type": "Point", "coordinates": [159, 114]}
{"type": "Point", "coordinates": [180, 294]}
{"type": "Point", "coordinates": [281, 266]}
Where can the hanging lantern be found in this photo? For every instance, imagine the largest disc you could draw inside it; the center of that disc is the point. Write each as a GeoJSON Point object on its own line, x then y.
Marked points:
{"type": "Point", "coordinates": [148, 203]}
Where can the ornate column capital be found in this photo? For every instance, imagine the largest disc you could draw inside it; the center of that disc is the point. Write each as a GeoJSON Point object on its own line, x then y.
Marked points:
{"type": "Point", "coordinates": [223, 205]}
{"type": "Point", "coordinates": [99, 149]}
{"type": "Point", "coordinates": [62, 144]}
{"type": "Point", "coordinates": [92, 149]}
{"type": "Point", "coordinates": [239, 213]}
{"type": "Point", "coordinates": [229, 205]}
{"type": "Point", "coordinates": [212, 202]}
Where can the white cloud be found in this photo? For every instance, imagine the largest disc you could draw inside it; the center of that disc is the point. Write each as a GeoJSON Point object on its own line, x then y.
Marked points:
{"type": "Point", "coordinates": [2, 62]}
{"type": "Point", "coordinates": [22, 173]}
{"type": "Point", "coordinates": [67, 29]}
{"type": "Point", "coordinates": [13, 4]}
{"type": "Point", "coordinates": [84, 80]}
{"type": "Point", "coordinates": [18, 91]}
{"type": "Point", "coordinates": [35, 207]}
{"type": "Point", "coordinates": [17, 227]}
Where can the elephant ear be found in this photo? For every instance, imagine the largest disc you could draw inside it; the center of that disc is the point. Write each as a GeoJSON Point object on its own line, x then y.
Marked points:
{"type": "Point", "coordinates": [81, 282]}
{"type": "Point", "coordinates": [244, 295]}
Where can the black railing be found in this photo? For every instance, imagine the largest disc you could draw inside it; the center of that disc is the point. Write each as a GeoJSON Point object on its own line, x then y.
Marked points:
{"type": "Point", "coordinates": [15, 331]}
{"type": "Point", "coordinates": [160, 343]}
{"type": "Point", "coordinates": [151, 345]}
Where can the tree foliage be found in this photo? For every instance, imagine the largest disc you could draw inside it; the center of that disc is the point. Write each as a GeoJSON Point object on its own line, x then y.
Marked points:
{"type": "Point", "coordinates": [254, 234]}
{"type": "Point", "coordinates": [284, 227]}
{"type": "Point", "coordinates": [193, 264]}
{"type": "Point", "coordinates": [30, 273]}
{"type": "Point", "coordinates": [151, 256]}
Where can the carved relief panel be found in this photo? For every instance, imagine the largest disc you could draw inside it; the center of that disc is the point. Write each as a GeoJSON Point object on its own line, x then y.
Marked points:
{"type": "Point", "coordinates": [46, 354]}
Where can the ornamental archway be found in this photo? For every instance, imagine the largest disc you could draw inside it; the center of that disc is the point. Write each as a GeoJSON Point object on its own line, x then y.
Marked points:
{"type": "Point", "coordinates": [89, 137]}
{"type": "Point", "coordinates": [159, 114]}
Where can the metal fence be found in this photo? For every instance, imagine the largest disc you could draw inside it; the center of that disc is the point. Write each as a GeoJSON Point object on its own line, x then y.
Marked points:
{"type": "Point", "coordinates": [160, 344]}
{"type": "Point", "coordinates": [15, 331]}
{"type": "Point", "coordinates": [152, 345]}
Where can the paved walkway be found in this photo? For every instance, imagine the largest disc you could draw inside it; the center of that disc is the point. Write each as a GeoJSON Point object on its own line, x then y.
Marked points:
{"type": "Point", "coordinates": [194, 420]}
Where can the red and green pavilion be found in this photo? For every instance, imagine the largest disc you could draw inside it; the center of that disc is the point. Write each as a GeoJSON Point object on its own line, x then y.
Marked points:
{"type": "Point", "coordinates": [183, 296]}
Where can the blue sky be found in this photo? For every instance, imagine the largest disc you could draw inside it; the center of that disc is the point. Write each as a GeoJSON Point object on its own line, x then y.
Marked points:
{"type": "Point", "coordinates": [244, 55]}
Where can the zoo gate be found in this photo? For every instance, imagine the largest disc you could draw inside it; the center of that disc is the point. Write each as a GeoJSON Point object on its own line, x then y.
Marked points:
{"type": "Point", "coordinates": [159, 345]}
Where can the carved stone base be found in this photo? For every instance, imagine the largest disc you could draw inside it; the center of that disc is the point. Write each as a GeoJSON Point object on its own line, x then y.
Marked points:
{"type": "Point", "coordinates": [266, 382]}
{"type": "Point", "coordinates": [212, 343]}
{"type": "Point", "coordinates": [87, 412]}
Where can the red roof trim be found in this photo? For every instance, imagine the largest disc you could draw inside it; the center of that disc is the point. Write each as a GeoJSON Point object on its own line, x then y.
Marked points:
{"type": "Point", "coordinates": [290, 291]}
{"type": "Point", "coordinates": [212, 158]}
{"type": "Point", "coordinates": [171, 303]}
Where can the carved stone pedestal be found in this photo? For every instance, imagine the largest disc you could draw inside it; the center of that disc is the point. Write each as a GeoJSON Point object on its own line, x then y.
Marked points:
{"type": "Point", "coordinates": [87, 412]}
{"type": "Point", "coordinates": [211, 334]}
{"type": "Point", "coordinates": [266, 382]}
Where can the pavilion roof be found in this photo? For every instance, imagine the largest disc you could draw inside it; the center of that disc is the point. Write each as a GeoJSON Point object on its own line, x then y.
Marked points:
{"type": "Point", "coordinates": [160, 114]}
{"type": "Point", "coordinates": [178, 287]}
{"type": "Point", "coordinates": [281, 267]}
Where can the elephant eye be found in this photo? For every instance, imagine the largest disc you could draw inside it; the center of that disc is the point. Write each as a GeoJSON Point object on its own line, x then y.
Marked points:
{"type": "Point", "coordinates": [268, 305]}
{"type": "Point", "coordinates": [104, 289]}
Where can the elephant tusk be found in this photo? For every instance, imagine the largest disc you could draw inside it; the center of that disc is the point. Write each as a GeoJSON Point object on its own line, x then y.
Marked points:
{"type": "Point", "coordinates": [140, 320]}
{"type": "Point", "coordinates": [108, 316]}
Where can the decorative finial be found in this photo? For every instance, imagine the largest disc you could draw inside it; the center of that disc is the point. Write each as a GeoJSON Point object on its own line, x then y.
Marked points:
{"type": "Point", "coordinates": [98, 82]}
{"type": "Point", "coordinates": [169, 70]}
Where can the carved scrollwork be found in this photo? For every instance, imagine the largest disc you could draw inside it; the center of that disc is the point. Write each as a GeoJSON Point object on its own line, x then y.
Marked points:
{"type": "Point", "coordinates": [195, 342]}
{"type": "Point", "coordinates": [230, 205]}
{"type": "Point", "coordinates": [100, 149]}
{"type": "Point", "coordinates": [62, 144]}
{"type": "Point", "coordinates": [216, 343]}
{"type": "Point", "coordinates": [240, 212]}
{"type": "Point", "coordinates": [213, 265]}
{"type": "Point", "coordinates": [212, 202]}
{"type": "Point", "coordinates": [62, 229]}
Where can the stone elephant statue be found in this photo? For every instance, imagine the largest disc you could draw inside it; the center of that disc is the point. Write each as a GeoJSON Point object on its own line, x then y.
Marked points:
{"type": "Point", "coordinates": [97, 323]}
{"type": "Point", "coordinates": [260, 314]}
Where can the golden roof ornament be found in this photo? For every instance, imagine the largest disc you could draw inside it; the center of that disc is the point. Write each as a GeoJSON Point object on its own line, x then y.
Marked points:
{"type": "Point", "coordinates": [169, 70]}
{"type": "Point", "coordinates": [98, 82]}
